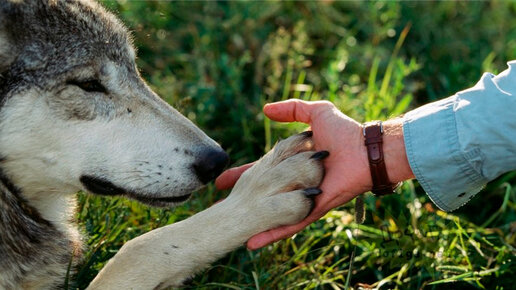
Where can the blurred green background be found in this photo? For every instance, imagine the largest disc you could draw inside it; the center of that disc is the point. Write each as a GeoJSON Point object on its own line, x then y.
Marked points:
{"type": "Point", "coordinates": [219, 62]}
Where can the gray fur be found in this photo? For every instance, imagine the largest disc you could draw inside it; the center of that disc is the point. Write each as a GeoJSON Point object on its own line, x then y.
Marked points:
{"type": "Point", "coordinates": [32, 250]}
{"type": "Point", "coordinates": [47, 39]}
{"type": "Point", "coordinates": [40, 42]}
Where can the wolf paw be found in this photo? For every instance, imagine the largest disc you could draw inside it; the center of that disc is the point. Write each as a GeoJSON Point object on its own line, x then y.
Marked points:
{"type": "Point", "coordinates": [279, 188]}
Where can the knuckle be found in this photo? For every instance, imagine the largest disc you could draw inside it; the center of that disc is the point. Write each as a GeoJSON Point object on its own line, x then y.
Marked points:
{"type": "Point", "coordinates": [325, 103]}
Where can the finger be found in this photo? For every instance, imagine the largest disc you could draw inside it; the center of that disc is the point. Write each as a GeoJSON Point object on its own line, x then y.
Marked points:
{"type": "Point", "coordinates": [293, 110]}
{"type": "Point", "coordinates": [229, 177]}
{"type": "Point", "coordinates": [264, 238]}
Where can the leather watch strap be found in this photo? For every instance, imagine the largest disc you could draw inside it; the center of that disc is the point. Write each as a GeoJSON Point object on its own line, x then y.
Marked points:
{"type": "Point", "coordinates": [373, 134]}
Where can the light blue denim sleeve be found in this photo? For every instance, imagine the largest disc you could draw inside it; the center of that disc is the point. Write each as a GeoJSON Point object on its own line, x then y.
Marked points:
{"type": "Point", "coordinates": [458, 144]}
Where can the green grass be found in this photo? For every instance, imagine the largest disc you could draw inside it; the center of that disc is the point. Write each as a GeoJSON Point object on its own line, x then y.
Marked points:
{"type": "Point", "coordinates": [219, 62]}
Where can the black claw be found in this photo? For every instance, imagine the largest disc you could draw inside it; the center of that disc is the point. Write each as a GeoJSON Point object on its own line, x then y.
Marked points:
{"type": "Point", "coordinates": [311, 192]}
{"type": "Point", "coordinates": [320, 155]}
{"type": "Point", "coordinates": [307, 133]}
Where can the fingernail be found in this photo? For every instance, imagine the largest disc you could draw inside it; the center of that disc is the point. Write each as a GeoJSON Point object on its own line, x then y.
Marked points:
{"type": "Point", "coordinates": [311, 192]}
{"type": "Point", "coordinates": [307, 133]}
{"type": "Point", "coordinates": [320, 155]}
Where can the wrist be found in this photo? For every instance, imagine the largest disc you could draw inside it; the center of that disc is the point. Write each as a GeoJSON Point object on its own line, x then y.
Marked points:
{"type": "Point", "coordinates": [395, 155]}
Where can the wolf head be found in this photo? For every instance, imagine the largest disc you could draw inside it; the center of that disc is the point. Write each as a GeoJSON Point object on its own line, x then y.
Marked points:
{"type": "Point", "coordinates": [75, 113]}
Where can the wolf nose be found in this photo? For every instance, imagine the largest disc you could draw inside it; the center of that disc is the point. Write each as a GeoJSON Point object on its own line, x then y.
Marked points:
{"type": "Point", "coordinates": [210, 164]}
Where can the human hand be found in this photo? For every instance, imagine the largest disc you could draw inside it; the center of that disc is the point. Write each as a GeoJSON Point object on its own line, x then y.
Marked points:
{"type": "Point", "coordinates": [347, 168]}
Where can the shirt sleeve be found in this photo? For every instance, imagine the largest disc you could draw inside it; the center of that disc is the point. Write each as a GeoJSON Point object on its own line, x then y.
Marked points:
{"type": "Point", "coordinates": [458, 144]}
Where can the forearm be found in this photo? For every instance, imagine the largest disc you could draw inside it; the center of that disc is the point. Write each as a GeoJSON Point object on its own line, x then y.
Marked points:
{"type": "Point", "coordinates": [458, 144]}
{"type": "Point", "coordinates": [169, 255]}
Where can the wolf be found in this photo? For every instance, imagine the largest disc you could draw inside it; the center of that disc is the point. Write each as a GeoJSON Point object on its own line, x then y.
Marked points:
{"type": "Point", "coordinates": [76, 115]}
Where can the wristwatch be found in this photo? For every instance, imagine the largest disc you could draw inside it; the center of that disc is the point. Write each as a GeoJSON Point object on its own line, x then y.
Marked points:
{"type": "Point", "coordinates": [373, 140]}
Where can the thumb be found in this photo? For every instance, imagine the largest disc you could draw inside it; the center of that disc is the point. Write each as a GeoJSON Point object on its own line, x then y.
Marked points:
{"type": "Point", "coordinates": [229, 177]}
{"type": "Point", "coordinates": [292, 110]}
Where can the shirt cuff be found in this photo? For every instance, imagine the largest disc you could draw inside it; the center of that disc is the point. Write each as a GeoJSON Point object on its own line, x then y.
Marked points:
{"type": "Point", "coordinates": [435, 157]}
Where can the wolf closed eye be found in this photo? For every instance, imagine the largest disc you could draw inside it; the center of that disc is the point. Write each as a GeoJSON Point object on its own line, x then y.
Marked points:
{"type": "Point", "coordinates": [92, 86]}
